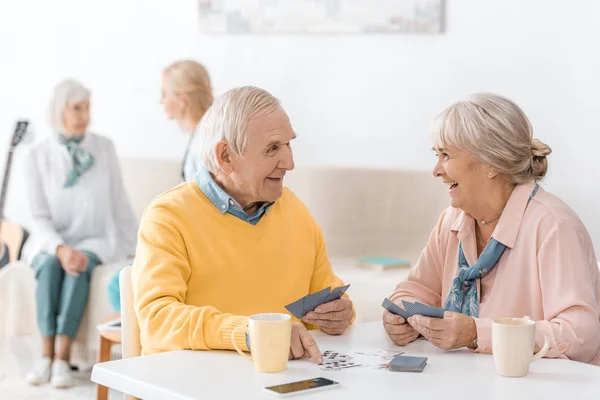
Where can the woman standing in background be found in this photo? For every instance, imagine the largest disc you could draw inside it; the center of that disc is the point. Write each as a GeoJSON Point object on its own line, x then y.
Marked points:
{"type": "Point", "coordinates": [81, 218]}
{"type": "Point", "coordinates": [186, 95]}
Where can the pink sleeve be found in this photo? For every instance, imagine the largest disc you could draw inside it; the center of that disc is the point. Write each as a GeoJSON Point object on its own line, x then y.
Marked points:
{"type": "Point", "coordinates": [568, 274]}
{"type": "Point", "coordinates": [424, 281]}
{"type": "Point", "coordinates": [568, 280]}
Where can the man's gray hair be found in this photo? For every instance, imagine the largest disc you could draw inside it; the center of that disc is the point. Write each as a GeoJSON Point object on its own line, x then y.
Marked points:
{"type": "Point", "coordinates": [227, 119]}
{"type": "Point", "coordinates": [65, 92]}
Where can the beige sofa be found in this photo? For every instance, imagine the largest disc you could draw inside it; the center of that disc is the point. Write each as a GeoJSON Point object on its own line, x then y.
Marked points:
{"type": "Point", "coordinates": [361, 212]}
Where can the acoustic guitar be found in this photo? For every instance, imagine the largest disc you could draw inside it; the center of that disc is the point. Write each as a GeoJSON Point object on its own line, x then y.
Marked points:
{"type": "Point", "coordinates": [12, 236]}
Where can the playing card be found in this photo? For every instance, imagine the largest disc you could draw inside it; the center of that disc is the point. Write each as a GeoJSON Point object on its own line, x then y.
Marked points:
{"type": "Point", "coordinates": [316, 299]}
{"type": "Point", "coordinates": [384, 354]}
{"type": "Point", "coordinates": [297, 308]}
{"type": "Point", "coordinates": [332, 355]}
{"type": "Point", "coordinates": [338, 365]}
{"type": "Point", "coordinates": [429, 311]}
{"type": "Point", "coordinates": [423, 309]}
{"type": "Point", "coordinates": [336, 293]}
{"type": "Point", "coordinates": [308, 303]}
{"type": "Point", "coordinates": [333, 360]}
{"type": "Point", "coordinates": [407, 364]}
{"type": "Point", "coordinates": [394, 308]}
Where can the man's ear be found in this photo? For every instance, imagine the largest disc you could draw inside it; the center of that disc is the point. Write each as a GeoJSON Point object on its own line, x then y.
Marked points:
{"type": "Point", "coordinates": [223, 154]}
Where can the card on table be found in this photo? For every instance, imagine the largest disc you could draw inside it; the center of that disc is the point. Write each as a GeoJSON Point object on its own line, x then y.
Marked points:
{"type": "Point", "coordinates": [394, 308]}
{"type": "Point", "coordinates": [304, 305]}
{"type": "Point", "coordinates": [334, 361]}
{"type": "Point", "coordinates": [403, 363]}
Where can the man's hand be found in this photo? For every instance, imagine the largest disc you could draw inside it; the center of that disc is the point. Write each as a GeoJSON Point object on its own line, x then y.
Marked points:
{"type": "Point", "coordinates": [333, 317]}
{"type": "Point", "coordinates": [398, 330]}
{"type": "Point", "coordinates": [72, 261]}
{"type": "Point", "coordinates": [454, 331]}
{"type": "Point", "coordinates": [303, 345]}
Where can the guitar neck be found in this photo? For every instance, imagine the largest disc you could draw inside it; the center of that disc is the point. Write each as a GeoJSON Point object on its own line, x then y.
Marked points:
{"type": "Point", "coordinates": [5, 181]}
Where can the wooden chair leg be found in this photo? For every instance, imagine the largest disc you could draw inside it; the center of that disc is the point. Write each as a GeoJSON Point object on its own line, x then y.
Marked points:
{"type": "Point", "coordinates": [103, 356]}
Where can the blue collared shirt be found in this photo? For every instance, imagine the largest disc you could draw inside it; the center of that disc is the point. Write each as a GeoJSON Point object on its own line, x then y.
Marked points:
{"type": "Point", "coordinates": [224, 202]}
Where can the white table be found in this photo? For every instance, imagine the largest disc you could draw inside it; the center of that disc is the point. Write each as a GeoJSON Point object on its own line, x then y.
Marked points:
{"type": "Point", "coordinates": [186, 375]}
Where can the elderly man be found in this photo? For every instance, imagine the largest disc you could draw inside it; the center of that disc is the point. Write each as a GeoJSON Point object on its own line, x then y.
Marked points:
{"type": "Point", "coordinates": [233, 242]}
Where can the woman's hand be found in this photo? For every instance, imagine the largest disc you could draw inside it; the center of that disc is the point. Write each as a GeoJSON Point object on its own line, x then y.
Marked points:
{"type": "Point", "coordinates": [72, 261]}
{"type": "Point", "coordinates": [454, 331]}
{"type": "Point", "coordinates": [398, 330]}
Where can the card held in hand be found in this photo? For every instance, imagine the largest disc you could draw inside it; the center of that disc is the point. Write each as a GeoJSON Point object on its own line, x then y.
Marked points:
{"type": "Point", "coordinates": [422, 309]}
{"type": "Point", "coordinates": [394, 308]}
{"type": "Point", "coordinates": [314, 300]}
{"type": "Point", "coordinates": [336, 293]}
{"type": "Point", "coordinates": [304, 305]}
{"type": "Point", "coordinates": [297, 308]}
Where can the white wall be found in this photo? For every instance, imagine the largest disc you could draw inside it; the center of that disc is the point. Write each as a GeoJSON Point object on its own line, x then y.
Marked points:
{"type": "Point", "coordinates": [354, 100]}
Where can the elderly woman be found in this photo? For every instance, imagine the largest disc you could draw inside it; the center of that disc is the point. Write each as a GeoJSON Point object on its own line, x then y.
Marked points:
{"type": "Point", "coordinates": [81, 218]}
{"type": "Point", "coordinates": [186, 95]}
{"type": "Point", "coordinates": [505, 247]}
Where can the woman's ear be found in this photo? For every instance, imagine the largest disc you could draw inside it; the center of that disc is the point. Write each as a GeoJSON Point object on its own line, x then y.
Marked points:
{"type": "Point", "coordinates": [223, 154]}
{"type": "Point", "coordinates": [184, 101]}
{"type": "Point", "coordinates": [492, 172]}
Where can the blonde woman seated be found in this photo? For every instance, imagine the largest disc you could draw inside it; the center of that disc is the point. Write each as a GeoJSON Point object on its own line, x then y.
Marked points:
{"type": "Point", "coordinates": [505, 247]}
{"type": "Point", "coordinates": [186, 94]}
{"type": "Point", "coordinates": [81, 218]}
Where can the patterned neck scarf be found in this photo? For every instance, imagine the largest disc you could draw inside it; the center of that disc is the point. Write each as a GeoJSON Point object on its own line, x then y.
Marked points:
{"type": "Point", "coordinates": [81, 159]}
{"type": "Point", "coordinates": [463, 297]}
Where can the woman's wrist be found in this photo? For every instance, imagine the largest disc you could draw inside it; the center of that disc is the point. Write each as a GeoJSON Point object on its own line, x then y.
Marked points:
{"type": "Point", "coordinates": [473, 342]}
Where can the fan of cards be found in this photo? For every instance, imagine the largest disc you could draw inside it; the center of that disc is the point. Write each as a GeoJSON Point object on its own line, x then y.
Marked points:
{"type": "Point", "coordinates": [309, 302]}
{"type": "Point", "coordinates": [411, 309]}
{"type": "Point", "coordinates": [332, 361]}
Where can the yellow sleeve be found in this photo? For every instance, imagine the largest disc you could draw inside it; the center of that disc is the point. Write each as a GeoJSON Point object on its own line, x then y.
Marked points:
{"type": "Point", "coordinates": [160, 272]}
{"type": "Point", "coordinates": [323, 275]}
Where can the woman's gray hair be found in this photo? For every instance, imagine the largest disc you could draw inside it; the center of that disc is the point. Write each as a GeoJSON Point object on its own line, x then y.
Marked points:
{"type": "Point", "coordinates": [497, 133]}
{"type": "Point", "coordinates": [65, 92]}
{"type": "Point", "coordinates": [227, 119]}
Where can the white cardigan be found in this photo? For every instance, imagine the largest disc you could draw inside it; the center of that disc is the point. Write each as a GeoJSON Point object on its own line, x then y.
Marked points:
{"type": "Point", "coordinates": [93, 215]}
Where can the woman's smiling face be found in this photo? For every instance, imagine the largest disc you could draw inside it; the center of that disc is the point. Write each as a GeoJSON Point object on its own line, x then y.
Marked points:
{"type": "Point", "coordinates": [465, 177]}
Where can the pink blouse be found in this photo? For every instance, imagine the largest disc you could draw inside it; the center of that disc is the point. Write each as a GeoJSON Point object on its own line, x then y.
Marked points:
{"type": "Point", "coordinates": [548, 272]}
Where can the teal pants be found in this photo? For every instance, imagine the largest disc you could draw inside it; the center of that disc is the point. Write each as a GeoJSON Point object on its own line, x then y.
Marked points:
{"type": "Point", "coordinates": [114, 291]}
{"type": "Point", "coordinates": [60, 297]}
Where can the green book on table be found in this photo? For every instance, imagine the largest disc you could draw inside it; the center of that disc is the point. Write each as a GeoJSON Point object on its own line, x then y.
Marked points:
{"type": "Point", "coordinates": [383, 262]}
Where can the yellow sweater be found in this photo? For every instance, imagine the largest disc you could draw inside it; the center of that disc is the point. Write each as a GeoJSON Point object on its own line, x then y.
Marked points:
{"type": "Point", "coordinates": [198, 273]}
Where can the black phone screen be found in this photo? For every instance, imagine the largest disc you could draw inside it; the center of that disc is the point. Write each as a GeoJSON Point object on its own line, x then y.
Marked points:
{"type": "Point", "coordinates": [301, 385]}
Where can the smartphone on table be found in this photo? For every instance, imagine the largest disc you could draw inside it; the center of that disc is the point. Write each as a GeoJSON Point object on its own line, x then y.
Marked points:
{"type": "Point", "coordinates": [302, 387]}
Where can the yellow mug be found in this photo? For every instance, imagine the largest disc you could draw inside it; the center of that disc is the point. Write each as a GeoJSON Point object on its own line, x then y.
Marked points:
{"type": "Point", "coordinates": [270, 336]}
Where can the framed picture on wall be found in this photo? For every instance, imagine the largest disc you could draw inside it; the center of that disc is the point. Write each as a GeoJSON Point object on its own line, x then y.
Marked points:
{"type": "Point", "coordinates": [321, 16]}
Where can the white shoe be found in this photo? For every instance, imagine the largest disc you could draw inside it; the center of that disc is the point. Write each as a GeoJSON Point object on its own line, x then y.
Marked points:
{"type": "Point", "coordinates": [61, 374]}
{"type": "Point", "coordinates": [40, 373]}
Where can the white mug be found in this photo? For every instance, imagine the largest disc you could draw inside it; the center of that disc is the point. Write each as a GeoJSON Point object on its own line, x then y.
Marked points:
{"type": "Point", "coordinates": [270, 336]}
{"type": "Point", "coordinates": [513, 341]}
